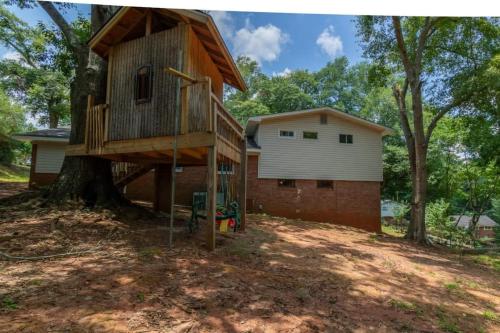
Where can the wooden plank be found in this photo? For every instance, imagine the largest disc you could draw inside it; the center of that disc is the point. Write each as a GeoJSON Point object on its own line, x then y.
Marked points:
{"type": "Point", "coordinates": [149, 21]}
{"type": "Point", "coordinates": [243, 185]}
{"type": "Point", "coordinates": [227, 151]}
{"type": "Point", "coordinates": [211, 196]}
{"type": "Point", "coordinates": [108, 93]}
{"type": "Point", "coordinates": [191, 152]}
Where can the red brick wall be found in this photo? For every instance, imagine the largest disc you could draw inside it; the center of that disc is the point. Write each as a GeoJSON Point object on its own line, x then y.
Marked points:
{"type": "Point", "coordinates": [192, 179]}
{"type": "Point", "coordinates": [350, 203]}
{"type": "Point", "coordinates": [41, 179]}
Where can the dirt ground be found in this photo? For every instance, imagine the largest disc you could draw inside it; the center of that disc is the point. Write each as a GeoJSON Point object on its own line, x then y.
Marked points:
{"type": "Point", "coordinates": [279, 276]}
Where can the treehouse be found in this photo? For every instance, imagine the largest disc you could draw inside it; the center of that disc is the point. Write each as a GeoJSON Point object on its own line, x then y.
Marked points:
{"type": "Point", "coordinates": [166, 74]}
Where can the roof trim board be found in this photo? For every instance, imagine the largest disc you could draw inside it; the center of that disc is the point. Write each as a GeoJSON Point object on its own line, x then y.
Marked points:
{"type": "Point", "coordinates": [254, 121]}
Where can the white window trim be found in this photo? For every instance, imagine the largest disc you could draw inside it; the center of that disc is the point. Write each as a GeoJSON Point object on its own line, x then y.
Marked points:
{"type": "Point", "coordinates": [286, 137]}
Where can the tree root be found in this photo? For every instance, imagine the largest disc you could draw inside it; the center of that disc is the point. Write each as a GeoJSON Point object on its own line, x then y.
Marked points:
{"type": "Point", "coordinates": [34, 258]}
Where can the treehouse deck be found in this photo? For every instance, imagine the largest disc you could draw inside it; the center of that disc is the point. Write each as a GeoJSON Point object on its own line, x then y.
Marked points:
{"type": "Point", "coordinates": [204, 126]}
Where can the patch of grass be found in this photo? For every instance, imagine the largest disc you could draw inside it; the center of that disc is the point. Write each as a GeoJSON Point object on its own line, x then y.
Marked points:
{"type": "Point", "coordinates": [373, 238]}
{"type": "Point", "coordinates": [490, 260]}
{"type": "Point", "coordinates": [141, 297]}
{"type": "Point", "coordinates": [392, 231]}
{"type": "Point", "coordinates": [14, 174]}
{"type": "Point", "coordinates": [490, 315]}
{"type": "Point", "coordinates": [452, 286]}
{"type": "Point", "coordinates": [9, 303]}
{"type": "Point", "coordinates": [446, 323]}
{"type": "Point", "coordinates": [405, 306]}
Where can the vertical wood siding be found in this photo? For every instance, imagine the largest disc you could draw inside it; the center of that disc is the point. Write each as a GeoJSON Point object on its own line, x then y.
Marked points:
{"type": "Point", "coordinates": [128, 120]}
{"type": "Point", "coordinates": [201, 65]}
{"type": "Point", "coordinates": [324, 158]}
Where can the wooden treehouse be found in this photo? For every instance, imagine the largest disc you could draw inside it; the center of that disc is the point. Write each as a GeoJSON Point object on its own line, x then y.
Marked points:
{"type": "Point", "coordinates": [166, 75]}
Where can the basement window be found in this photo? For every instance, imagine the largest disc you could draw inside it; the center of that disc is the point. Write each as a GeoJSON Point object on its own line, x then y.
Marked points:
{"type": "Point", "coordinates": [143, 84]}
{"type": "Point", "coordinates": [286, 183]}
{"type": "Point", "coordinates": [323, 119]}
{"type": "Point", "coordinates": [345, 138]}
{"type": "Point", "coordinates": [328, 184]}
{"type": "Point", "coordinates": [287, 134]}
{"type": "Point", "coordinates": [310, 135]}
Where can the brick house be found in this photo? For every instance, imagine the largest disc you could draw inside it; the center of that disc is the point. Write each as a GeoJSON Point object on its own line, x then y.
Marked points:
{"type": "Point", "coordinates": [485, 227]}
{"type": "Point", "coordinates": [318, 165]}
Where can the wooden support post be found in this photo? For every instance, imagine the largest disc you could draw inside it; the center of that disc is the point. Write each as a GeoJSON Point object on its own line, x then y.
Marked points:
{"type": "Point", "coordinates": [90, 104]}
{"type": "Point", "coordinates": [211, 196]}
{"type": "Point", "coordinates": [243, 184]}
{"type": "Point", "coordinates": [108, 95]}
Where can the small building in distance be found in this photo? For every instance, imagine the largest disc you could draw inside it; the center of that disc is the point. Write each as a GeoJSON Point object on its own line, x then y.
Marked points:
{"type": "Point", "coordinates": [484, 228]}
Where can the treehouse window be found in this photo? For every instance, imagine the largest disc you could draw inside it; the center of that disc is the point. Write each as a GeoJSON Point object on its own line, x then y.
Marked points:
{"type": "Point", "coordinates": [143, 84]}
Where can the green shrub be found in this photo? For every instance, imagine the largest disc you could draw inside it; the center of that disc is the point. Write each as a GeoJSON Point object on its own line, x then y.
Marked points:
{"type": "Point", "coordinates": [440, 224]}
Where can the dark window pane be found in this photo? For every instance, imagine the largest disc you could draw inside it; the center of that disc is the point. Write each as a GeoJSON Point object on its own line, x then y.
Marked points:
{"type": "Point", "coordinates": [287, 134]}
{"type": "Point", "coordinates": [310, 135]}
{"type": "Point", "coordinates": [324, 184]}
{"type": "Point", "coordinates": [143, 84]}
{"type": "Point", "coordinates": [286, 182]}
{"type": "Point", "coordinates": [345, 138]}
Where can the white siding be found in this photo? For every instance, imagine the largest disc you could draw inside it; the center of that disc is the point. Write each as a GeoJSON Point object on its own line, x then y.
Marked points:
{"type": "Point", "coordinates": [49, 157]}
{"type": "Point", "coordinates": [324, 158]}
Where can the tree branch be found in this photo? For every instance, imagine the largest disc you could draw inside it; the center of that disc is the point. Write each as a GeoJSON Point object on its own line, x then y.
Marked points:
{"type": "Point", "coordinates": [396, 23]}
{"type": "Point", "coordinates": [59, 20]}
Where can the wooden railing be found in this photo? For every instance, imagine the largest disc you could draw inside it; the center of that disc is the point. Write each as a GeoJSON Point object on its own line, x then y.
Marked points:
{"type": "Point", "coordinates": [202, 111]}
{"type": "Point", "coordinates": [95, 129]}
{"type": "Point", "coordinates": [228, 129]}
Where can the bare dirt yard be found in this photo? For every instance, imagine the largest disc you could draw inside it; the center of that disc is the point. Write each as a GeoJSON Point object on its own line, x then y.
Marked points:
{"type": "Point", "coordinates": [279, 276]}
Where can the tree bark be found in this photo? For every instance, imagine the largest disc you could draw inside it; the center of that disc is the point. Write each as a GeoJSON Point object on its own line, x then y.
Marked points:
{"type": "Point", "coordinates": [84, 177]}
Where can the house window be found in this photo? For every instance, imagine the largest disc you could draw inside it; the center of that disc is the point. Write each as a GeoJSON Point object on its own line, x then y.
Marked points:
{"type": "Point", "coordinates": [286, 182]}
{"type": "Point", "coordinates": [323, 119]}
{"type": "Point", "coordinates": [324, 184]}
{"type": "Point", "coordinates": [345, 138]}
{"type": "Point", "coordinates": [179, 169]}
{"type": "Point", "coordinates": [487, 228]}
{"type": "Point", "coordinates": [143, 84]}
{"type": "Point", "coordinates": [225, 169]}
{"type": "Point", "coordinates": [287, 134]}
{"type": "Point", "coordinates": [310, 135]}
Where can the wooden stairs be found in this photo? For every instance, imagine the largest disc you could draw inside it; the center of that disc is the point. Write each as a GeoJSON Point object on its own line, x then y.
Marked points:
{"type": "Point", "coordinates": [124, 172]}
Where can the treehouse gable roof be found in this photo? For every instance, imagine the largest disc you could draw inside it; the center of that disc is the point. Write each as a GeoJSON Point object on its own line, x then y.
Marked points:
{"type": "Point", "coordinates": [130, 23]}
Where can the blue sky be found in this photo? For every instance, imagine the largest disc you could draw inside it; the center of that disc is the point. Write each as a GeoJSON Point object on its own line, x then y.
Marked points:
{"type": "Point", "coordinates": [279, 42]}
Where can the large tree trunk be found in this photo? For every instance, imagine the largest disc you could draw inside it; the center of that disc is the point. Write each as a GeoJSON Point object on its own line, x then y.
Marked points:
{"type": "Point", "coordinates": [85, 177]}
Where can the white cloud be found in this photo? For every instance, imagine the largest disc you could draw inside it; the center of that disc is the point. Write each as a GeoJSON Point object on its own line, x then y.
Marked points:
{"type": "Point", "coordinates": [283, 73]}
{"type": "Point", "coordinates": [330, 43]}
{"type": "Point", "coordinates": [12, 55]}
{"type": "Point", "coordinates": [224, 22]}
{"type": "Point", "coordinates": [263, 43]}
